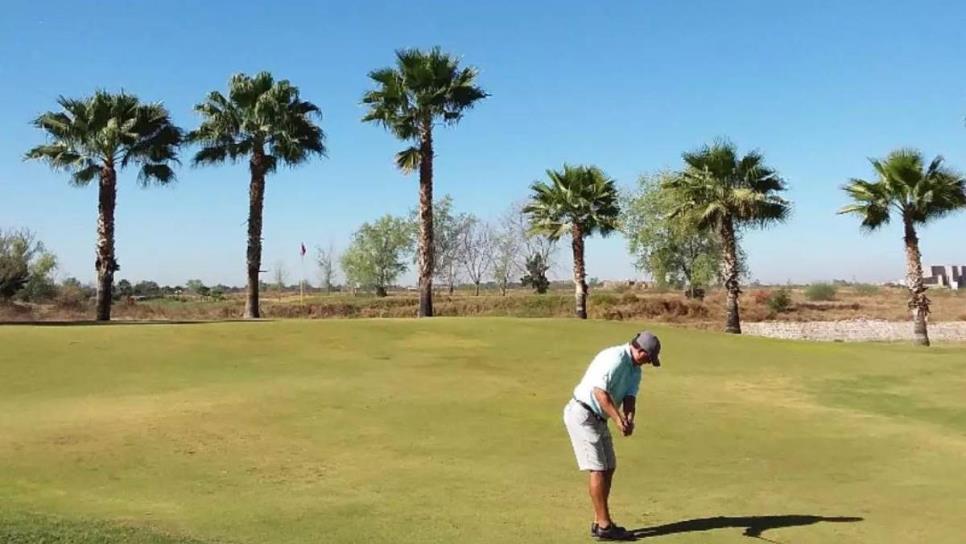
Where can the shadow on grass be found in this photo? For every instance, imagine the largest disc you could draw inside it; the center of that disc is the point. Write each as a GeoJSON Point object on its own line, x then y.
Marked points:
{"type": "Point", "coordinates": [92, 323]}
{"type": "Point", "coordinates": [753, 526]}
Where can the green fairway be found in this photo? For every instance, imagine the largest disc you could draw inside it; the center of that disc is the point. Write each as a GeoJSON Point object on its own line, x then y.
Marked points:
{"type": "Point", "coordinates": [449, 430]}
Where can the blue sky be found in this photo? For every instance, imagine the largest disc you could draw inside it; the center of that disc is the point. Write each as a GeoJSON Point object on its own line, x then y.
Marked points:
{"type": "Point", "coordinates": [817, 86]}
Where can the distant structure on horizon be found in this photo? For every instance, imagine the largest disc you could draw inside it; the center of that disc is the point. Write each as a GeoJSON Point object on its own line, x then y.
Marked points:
{"type": "Point", "coordinates": [951, 276]}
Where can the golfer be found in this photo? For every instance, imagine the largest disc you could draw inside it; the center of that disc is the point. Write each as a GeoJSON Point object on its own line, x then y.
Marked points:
{"type": "Point", "coordinates": [608, 388]}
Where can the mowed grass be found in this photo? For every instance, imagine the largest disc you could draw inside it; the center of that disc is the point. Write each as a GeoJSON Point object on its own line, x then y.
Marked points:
{"type": "Point", "coordinates": [449, 430]}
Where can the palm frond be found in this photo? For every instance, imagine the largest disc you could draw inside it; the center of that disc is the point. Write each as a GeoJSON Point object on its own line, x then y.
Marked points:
{"type": "Point", "coordinates": [162, 174]}
{"type": "Point", "coordinates": [424, 87]}
{"type": "Point", "coordinates": [581, 196]}
{"type": "Point", "coordinates": [84, 175]}
{"type": "Point", "coordinates": [718, 187]}
{"type": "Point", "coordinates": [103, 131]}
{"type": "Point", "coordinates": [918, 192]}
{"type": "Point", "coordinates": [260, 114]}
{"type": "Point", "coordinates": [408, 159]}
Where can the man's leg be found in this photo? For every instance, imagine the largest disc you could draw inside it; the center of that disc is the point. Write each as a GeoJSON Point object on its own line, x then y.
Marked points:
{"type": "Point", "coordinates": [600, 481]}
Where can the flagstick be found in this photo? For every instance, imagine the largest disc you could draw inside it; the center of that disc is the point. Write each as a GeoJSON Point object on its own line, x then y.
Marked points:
{"type": "Point", "coordinates": [302, 283]}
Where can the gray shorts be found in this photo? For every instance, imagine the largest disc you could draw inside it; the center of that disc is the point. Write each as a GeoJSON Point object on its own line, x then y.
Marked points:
{"type": "Point", "coordinates": [590, 437]}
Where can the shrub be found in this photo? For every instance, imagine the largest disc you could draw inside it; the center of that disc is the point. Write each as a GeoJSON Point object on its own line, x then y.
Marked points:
{"type": "Point", "coordinates": [696, 293]}
{"type": "Point", "coordinates": [536, 274]}
{"type": "Point", "coordinates": [760, 296]}
{"type": "Point", "coordinates": [603, 298]}
{"type": "Point", "coordinates": [71, 297]}
{"type": "Point", "coordinates": [866, 289]}
{"type": "Point", "coordinates": [780, 300]}
{"type": "Point", "coordinates": [620, 288]}
{"type": "Point", "coordinates": [628, 298]}
{"type": "Point", "coordinates": [820, 291]}
{"type": "Point", "coordinates": [25, 267]}
{"type": "Point", "coordinates": [660, 288]}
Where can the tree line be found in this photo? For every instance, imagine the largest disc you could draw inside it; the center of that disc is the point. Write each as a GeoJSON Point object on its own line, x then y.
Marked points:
{"type": "Point", "coordinates": [690, 221]}
{"type": "Point", "coordinates": [466, 248]}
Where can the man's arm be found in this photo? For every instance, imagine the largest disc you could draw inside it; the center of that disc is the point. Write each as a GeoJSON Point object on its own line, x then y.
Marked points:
{"type": "Point", "coordinates": [630, 407]}
{"type": "Point", "coordinates": [607, 405]}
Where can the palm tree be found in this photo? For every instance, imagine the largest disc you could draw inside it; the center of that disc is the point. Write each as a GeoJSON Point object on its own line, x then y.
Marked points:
{"type": "Point", "coordinates": [918, 194]}
{"type": "Point", "coordinates": [579, 201]}
{"type": "Point", "coordinates": [267, 122]}
{"type": "Point", "coordinates": [722, 193]}
{"type": "Point", "coordinates": [93, 138]}
{"type": "Point", "coordinates": [424, 88]}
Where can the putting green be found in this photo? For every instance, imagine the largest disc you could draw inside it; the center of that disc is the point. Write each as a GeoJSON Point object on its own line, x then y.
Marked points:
{"type": "Point", "coordinates": [449, 430]}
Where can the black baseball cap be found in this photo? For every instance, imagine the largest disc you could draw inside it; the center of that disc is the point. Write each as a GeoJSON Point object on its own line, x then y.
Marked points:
{"type": "Point", "coordinates": [646, 341]}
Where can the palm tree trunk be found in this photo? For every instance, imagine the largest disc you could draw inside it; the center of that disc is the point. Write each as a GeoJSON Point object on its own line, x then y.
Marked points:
{"type": "Point", "coordinates": [687, 276]}
{"type": "Point", "coordinates": [918, 302]}
{"type": "Point", "coordinates": [256, 200]}
{"type": "Point", "coordinates": [426, 222]}
{"type": "Point", "coordinates": [105, 264]}
{"type": "Point", "coordinates": [729, 263]}
{"type": "Point", "coordinates": [580, 284]}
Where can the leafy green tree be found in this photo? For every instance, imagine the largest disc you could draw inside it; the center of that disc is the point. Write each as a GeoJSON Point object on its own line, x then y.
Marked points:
{"type": "Point", "coordinates": [25, 267]}
{"type": "Point", "coordinates": [93, 138]}
{"type": "Point", "coordinates": [536, 274]}
{"type": "Point", "coordinates": [378, 253]}
{"type": "Point", "coordinates": [217, 292]}
{"type": "Point", "coordinates": [669, 248]}
{"type": "Point", "coordinates": [917, 193]}
{"type": "Point", "coordinates": [172, 290]}
{"type": "Point", "coordinates": [147, 289]}
{"type": "Point", "coordinates": [267, 122]}
{"type": "Point", "coordinates": [578, 201]}
{"type": "Point", "coordinates": [722, 193]}
{"type": "Point", "coordinates": [424, 89]}
{"type": "Point", "coordinates": [40, 285]}
{"type": "Point", "coordinates": [195, 286]}
{"type": "Point", "coordinates": [124, 289]}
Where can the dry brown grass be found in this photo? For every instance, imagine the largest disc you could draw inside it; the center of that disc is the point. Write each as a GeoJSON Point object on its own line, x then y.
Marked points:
{"type": "Point", "coordinates": [672, 307]}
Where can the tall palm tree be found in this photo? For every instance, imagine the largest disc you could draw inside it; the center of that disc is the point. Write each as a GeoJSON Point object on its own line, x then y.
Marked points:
{"type": "Point", "coordinates": [579, 201]}
{"type": "Point", "coordinates": [267, 122]}
{"type": "Point", "coordinates": [94, 137]}
{"type": "Point", "coordinates": [723, 193]}
{"type": "Point", "coordinates": [422, 90]}
{"type": "Point", "coordinates": [916, 192]}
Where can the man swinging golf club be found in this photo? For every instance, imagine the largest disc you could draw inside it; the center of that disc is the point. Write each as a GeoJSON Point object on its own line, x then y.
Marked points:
{"type": "Point", "coordinates": [608, 388]}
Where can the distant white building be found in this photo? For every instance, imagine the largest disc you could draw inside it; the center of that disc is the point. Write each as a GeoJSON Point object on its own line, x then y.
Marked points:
{"type": "Point", "coordinates": [951, 276]}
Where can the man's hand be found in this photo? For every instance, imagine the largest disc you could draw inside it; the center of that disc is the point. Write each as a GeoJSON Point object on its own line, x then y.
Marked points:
{"type": "Point", "coordinates": [630, 408]}
{"type": "Point", "coordinates": [624, 422]}
{"type": "Point", "coordinates": [624, 425]}
{"type": "Point", "coordinates": [628, 428]}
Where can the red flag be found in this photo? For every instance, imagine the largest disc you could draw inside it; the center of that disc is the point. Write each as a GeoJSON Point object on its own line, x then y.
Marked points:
{"type": "Point", "coordinates": [302, 250]}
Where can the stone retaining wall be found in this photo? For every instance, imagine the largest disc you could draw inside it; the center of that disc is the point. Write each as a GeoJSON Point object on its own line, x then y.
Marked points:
{"type": "Point", "coordinates": [857, 330]}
